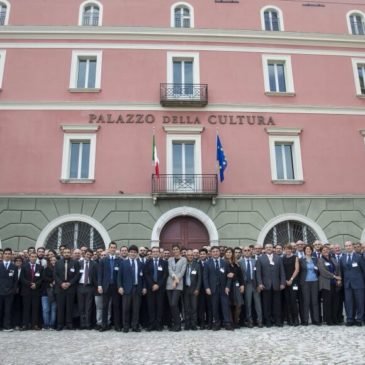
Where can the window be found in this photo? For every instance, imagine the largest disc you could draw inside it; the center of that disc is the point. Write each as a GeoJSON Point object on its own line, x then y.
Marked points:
{"type": "Point", "coordinates": [90, 13]}
{"type": "Point", "coordinates": [355, 23]}
{"type": "Point", "coordinates": [4, 12]}
{"type": "Point", "coordinates": [85, 71]}
{"type": "Point", "coordinates": [285, 155]}
{"type": "Point", "coordinates": [358, 67]}
{"type": "Point", "coordinates": [2, 66]}
{"type": "Point", "coordinates": [78, 163]}
{"type": "Point", "coordinates": [278, 77]}
{"type": "Point", "coordinates": [182, 15]}
{"type": "Point", "coordinates": [271, 19]}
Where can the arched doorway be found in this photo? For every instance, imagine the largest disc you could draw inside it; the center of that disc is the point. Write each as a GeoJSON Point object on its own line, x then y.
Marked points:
{"type": "Point", "coordinates": [187, 231]}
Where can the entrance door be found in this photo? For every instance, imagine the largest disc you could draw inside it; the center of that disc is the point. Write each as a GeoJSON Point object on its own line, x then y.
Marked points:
{"type": "Point", "coordinates": [185, 231]}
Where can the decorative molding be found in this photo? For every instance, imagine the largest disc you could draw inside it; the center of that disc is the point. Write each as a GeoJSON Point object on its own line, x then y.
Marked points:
{"type": "Point", "coordinates": [182, 129]}
{"type": "Point", "coordinates": [79, 128]}
{"type": "Point", "coordinates": [288, 182]}
{"type": "Point", "coordinates": [282, 131]}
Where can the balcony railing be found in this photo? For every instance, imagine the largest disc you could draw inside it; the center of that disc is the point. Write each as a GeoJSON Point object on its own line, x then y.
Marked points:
{"type": "Point", "coordinates": [184, 94]}
{"type": "Point", "coordinates": [227, 1]}
{"type": "Point", "coordinates": [192, 185]}
{"type": "Point", "coordinates": [2, 17]}
{"type": "Point", "coordinates": [92, 20]}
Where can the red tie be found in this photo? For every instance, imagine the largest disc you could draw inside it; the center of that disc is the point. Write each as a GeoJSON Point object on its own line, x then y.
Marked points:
{"type": "Point", "coordinates": [32, 268]}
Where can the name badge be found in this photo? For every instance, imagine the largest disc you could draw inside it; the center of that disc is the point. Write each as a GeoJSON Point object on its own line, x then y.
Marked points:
{"type": "Point", "coordinates": [116, 268]}
{"type": "Point", "coordinates": [141, 273]}
{"type": "Point", "coordinates": [272, 263]}
{"type": "Point", "coordinates": [254, 269]}
{"type": "Point", "coordinates": [327, 264]}
{"type": "Point", "coordinates": [295, 287]}
{"type": "Point", "coordinates": [11, 274]}
{"type": "Point", "coordinates": [159, 268]}
{"type": "Point", "coordinates": [37, 274]}
{"type": "Point", "coordinates": [72, 269]}
{"type": "Point", "coordinates": [354, 264]}
{"type": "Point", "coordinates": [315, 268]}
{"type": "Point", "coordinates": [81, 271]}
{"type": "Point", "coordinates": [193, 272]}
{"type": "Point", "coordinates": [222, 270]}
{"type": "Point", "coordinates": [237, 284]}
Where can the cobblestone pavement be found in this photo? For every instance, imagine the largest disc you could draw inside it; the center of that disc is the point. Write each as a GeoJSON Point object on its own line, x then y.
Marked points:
{"type": "Point", "coordinates": [288, 345]}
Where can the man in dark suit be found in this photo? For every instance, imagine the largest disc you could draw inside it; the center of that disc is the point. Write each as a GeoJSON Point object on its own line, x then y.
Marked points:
{"type": "Point", "coordinates": [86, 288]}
{"type": "Point", "coordinates": [31, 278]}
{"type": "Point", "coordinates": [131, 287]}
{"type": "Point", "coordinates": [353, 273]}
{"type": "Point", "coordinates": [340, 294]}
{"type": "Point", "coordinates": [155, 275]}
{"type": "Point", "coordinates": [8, 286]}
{"type": "Point", "coordinates": [270, 277]}
{"type": "Point", "coordinates": [192, 283]}
{"type": "Point", "coordinates": [107, 286]}
{"type": "Point", "coordinates": [66, 275]}
{"type": "Point", "coordinates": [217, 286]}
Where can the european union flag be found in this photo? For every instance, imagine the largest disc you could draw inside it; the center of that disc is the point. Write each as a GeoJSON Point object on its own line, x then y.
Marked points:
{"type": "Point", "coordinates": [221, 159]}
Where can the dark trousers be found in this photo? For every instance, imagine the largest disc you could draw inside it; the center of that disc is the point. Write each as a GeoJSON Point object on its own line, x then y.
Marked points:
{"type": "Point", "coordinates": [143, 312]}
{"type": "Point", "coordinates": [357, 313]}
{"type": "Point", "coordinates": [65, 305]}
{"type": "Point", "coordinates": [205, 313]}
{"type": "Point", "coordinates": [329, 305]}
{"type": "Point", "coordinates": [339, 298]}
{"type": "Point", "coordinates": [17, 310]}
{"type": "Point", "coordinates": [155, 303]}
{"type": "Point", "coordinates": [6, 302]}
{"type": "Point", "coordinates": [131, 307]}
{"type": "Point", "coordinates": [271, 300]}
{"type": "Point", "coordinates": [291, 305]}
{"type": "Point", "coordinates": [310, 301]}
{"type": "Point", "coordinates": [31, 305]}
{"type": "Point", "coordinates": [111, 295]}
{"type": "Point", "coordinates": [174, 298]}
{"type": "Point", "coordinates": [85, 300]}
{"type": "Point", "coordinates": [220, 304]}
{"type": "Point", "coordinates": [191, 308]}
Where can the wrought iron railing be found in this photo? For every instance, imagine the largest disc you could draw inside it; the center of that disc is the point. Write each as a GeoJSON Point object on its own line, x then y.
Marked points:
{"type": "Point", "coordinates": [195, 93]}
{"type": "Point", "coordinates": [2, 17]}
{"type": "Point", "coordinates": [178, 184]}
{"type": "Point", "coordinates": [181, 22]}
{"type": "Point", "coordinates": [90, 20]}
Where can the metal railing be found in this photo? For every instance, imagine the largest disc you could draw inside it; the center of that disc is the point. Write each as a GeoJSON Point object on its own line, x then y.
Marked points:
{"type": "Point", "coordinates": [184, 94]}
{"type": "Point", "coordinates": [182, 22]}
{"type": "Point", "coordinates": [178, 184]}
{"type": "Point", "coordinates": [227, 1]}
{"type": "Point", "coordinates": [2, 17]}
{"type": "Point", "coordinates": [92, 20]}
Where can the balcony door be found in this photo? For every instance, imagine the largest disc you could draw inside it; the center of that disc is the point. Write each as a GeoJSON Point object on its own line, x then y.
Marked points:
{"type": "Point", "coordinates": [183, 78]}
{"type": "Point", "coordinates": [183, 166]}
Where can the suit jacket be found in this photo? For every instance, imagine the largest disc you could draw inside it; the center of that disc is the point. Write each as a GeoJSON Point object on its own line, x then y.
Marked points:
{"type": "Point", "coordinates": [242, 263]}
{"type": "Point", "coordinates": [26, 278]}
{"type": "Point", "coordinates": [162, 274]}
{"type": "Point", "coordinates": [104, 272]}
{"type": "Point", "coordinates": [271, 276]}
{"type": "Point", "coordinates": [213, 280]}
{"type": "Point", "coordinates": [8, 279]}
{"type": "Point", "coordinates": [73, 274]}
{"type": "Point", "coordinates": [325, 276]}
{"type": "Point", "coordinates": [195, 276]}
{"type": "Point", "coordinates": [303, 269]}
{"type": "Point", "coordinates": [177, 269]}
{"type": "Point", "coordinates": [126, 276]}
{"type": "Point", "coordinates": [93, 272]}
{"type": "Point", "coordinates": [353, 274]}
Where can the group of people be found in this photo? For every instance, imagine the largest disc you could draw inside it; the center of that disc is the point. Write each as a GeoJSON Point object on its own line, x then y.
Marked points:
{"type": "Point", "coordinates": [211, 288]}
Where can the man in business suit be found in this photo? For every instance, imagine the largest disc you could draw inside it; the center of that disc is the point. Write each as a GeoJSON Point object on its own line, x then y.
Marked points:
{"type": "Point", "coordinates": [8, 286]}
{"type": "Point", "coordinates": [192, 284]}
{"type": "Point", "coordinates": [86, 289]}
{"type": "Point", "coordinates": [217, 286]}
{"type": "Point", "coordinates": [131, 287]}
{"type": "Point", "coordinates": [271, 280]}
{"type": "Point", "coordinates": [31, 278]}
{"type": "Point", "coordinates": [248, 266]}
{"type": "Point", "coordinates": [353, 274]}
{"type": "Point", "coordinates": [108, 286]}
{"type": "Point", "coordinates": [143, 311]}
{"type": "Point", "coordinates": [340, 294]}
{"type": "Point", "coordinates": [66, 275]}
{"type": "Point", "coordinates": [155, 275]}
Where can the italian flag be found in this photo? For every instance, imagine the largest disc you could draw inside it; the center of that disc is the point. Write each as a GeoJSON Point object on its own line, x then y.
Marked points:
{"type": "Point", "coordinates": [155, 159]}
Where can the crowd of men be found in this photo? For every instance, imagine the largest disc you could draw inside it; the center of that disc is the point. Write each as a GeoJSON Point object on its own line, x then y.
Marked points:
{"type": "Point", "coordinates": [131, 288]}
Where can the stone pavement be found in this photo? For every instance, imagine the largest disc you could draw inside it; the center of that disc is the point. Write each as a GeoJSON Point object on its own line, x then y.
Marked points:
{"type": "Point", "coordinates": [301, 345]}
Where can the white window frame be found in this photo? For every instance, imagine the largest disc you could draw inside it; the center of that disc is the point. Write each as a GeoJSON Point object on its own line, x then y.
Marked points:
{"type": "Point", "coordinates": [2, 67]}
{"type": "Point", "coordinates": [354, 12]}
{"type": "Point", "coordinates": [355, 63]}
{"type": "Point", "coordinates": [71, 134]}
{"type": "Point", "coordinates": [76, 55]}
{"type": "Point", "coordinates": [288, 71]}
{"type": "Point", "coordinates": [280, 15]}
{"type": "Point", "coordinates": [5, 2]}
{"type": "Point", "coordinates": [172, 14]}
{"type": "Point", "coordinates": [82, 9]}
{"type": "Point", "coordinates": [286, 135]}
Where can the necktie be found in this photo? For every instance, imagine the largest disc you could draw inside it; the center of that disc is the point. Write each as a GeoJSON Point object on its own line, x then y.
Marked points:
{"type": "Point", "coordinates": [134, 271]}
{"type": "Point", "coordinates": [155, 271]}
{"type": "Point", "coordinates": [86, 273]}
{"type": "Point", "coordinates": [111, 269]}
{"type": "Point", "coordinates": [349, 259]}
{"type": "Point", "coordinates": [32, 269]}
{"type": "Point", "coordinates": [216, 265]}
{"type": "Point", "coordinates": [248, 270]}
{"type": "Point", "coordinates": [338, 258]}
{"type": "Point", "coordinates": [66, 269]}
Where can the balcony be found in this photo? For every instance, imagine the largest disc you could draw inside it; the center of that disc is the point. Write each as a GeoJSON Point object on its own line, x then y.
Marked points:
{"type": "Point", "coordinates": [190, 95]}
{"type": "Point", "coordinates": [185, 186]}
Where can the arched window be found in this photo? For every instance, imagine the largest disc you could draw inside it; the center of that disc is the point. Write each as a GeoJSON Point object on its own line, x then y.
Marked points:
{"type": "Point", "coordinates": [4, 12]}
{"type": "Point", "coordinates": [90, 13]}
{"type": "Point", "coordinates": [272, 19]}
{"type": "Point", "coordinates": [355, 22]}
{"type": "Point", "coordinates": [182, 16]}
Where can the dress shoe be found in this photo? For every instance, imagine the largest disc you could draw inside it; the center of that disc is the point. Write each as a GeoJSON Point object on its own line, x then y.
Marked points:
{"type": "Point", "coordinates": [69, 327]}
{"type": "Point", "coordinates": [209, 327]}
{"type": "Point", "coordinates": [249, 324]}
{"type": "Point", "coordinates": [349, 324]}
{"type": "Point", "coordinates": [229, 327]}
{"type": "Point", "coordinates": [59, 328]}
{"type": "Point", "coordinates": [159, 328]}
{"type": "Point", "coordinates": [279, 325]}
{"type": "Point", "coordinates": [304, 323]}
{"type": "Point", "coordinates": [358, 323]}
{"type": "Point", "coordinates": [8, 330]}
{"type": "Point", "coordinates": [125, 330]}
{"type": "Point", "coordinates": [216, 328]}
{"type": "Point", "coordinates": [203, 327]}
{"type": "Point", "coordinates": [136, 329]}
{"type": "Point", "coordinates": [36, 328]}
{"type": "Point", "coordinates": [317, 323]}
{"type": "Point", "coordinates": [193, 328]}
{"type": "Point", "coordinates": [117, 329]}
{"type": "Point", "coordinates": [97, 327]}
{"type": "Point", "coordinates": [24, 328]}
{"type": "Point", "coordinates": [103, 329]}
{"type": "Point", "coordinates": [259, 325]}
{"type": "Point", "coordinates": [187, 328]}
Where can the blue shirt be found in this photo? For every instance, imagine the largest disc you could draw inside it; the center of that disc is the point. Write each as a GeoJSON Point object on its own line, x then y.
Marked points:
{"type": "Point", "coordinates": [311, 273]}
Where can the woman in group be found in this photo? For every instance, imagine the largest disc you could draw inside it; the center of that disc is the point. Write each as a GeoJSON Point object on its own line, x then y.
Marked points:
{"type": "Point", "coordinates": [291, 268]}
{"type": "Point", "coordinates": [48, 296]}
{"type": "Point", "coordinates": [309, 286]}
{"type": "Point", "coordinates": [177, 266]}
{"type": "Point", "coordinates": [329, 281]}
{"type": "Point", "coordinates": [236, 285]}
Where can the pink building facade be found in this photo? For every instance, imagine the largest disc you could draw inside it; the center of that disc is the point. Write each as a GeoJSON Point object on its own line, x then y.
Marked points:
{"type": "Point", "coordinates": [85, 86]}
